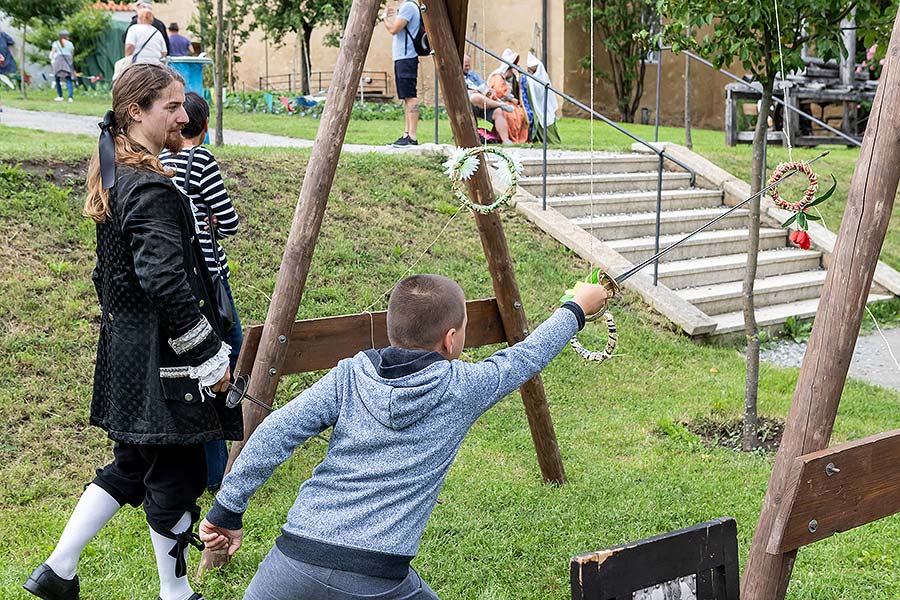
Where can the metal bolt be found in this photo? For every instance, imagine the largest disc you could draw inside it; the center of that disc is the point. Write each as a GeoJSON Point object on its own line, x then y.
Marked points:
{"type": "Point", "coordinates": [272, 372]}
{"type": "Point", "coordinates": [830, 469]}
{"type": "Point", "coordinates": [424, 8]}
{"type": "Point", "coordinates": [517, 305]}
{"type": "Point", "coordinates": [813, 525]}
{"type": "Point", "coordinates": [281, 339]}
{"type": "Point", "coordinates": [525, 332]}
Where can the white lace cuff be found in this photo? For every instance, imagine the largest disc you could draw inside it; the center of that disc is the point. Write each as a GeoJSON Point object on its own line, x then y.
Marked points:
{"type": "Point", "coordinates": [212, 370]}
{"type": "Point", "coordinates": [192, 338]}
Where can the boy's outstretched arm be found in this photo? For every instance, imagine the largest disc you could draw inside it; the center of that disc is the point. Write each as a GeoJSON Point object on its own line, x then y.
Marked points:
{"type": "Point", "coordinates": [273, 442]}
{"type": "Point", "coordinates": [505, 371]}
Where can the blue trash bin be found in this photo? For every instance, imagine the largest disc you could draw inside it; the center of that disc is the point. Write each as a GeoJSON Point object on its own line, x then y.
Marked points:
{"type": "Point", "coordinates": [191, 69]}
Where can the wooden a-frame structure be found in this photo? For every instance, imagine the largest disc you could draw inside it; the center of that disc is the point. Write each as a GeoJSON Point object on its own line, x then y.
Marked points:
{"type": "Point", "coordinates": [815, 492]}
{"type": "Point", "coordinates": [282, 346]}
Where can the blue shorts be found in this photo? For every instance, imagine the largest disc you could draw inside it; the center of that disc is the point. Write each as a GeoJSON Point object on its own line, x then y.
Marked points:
{"type": "Point", "coordinates": [406, 73]}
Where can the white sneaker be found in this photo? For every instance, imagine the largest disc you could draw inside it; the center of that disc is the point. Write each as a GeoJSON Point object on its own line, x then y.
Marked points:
{"type": "Point", "coordinates": [70, 99]}
{"type": "Point", "coordinates": [58, 99]}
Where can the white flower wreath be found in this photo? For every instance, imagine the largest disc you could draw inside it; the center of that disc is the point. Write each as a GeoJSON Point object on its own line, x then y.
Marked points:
{"type": "Point", "coordinates": [463, 163]}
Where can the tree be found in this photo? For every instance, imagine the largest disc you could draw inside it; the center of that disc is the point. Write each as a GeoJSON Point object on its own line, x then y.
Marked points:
{"type": "Point", "coordinates": [203, 27]}
{"type": "Point", "coordinates": [85, 28]}
{"type": "Point", "coordinates": [622, 23]}
{"type": "Point", "coordinates": [750, 35]}
{"type": "Point", "coordinates": [280, 17]}
{"type": "Point", "coordinates": [26, 12]}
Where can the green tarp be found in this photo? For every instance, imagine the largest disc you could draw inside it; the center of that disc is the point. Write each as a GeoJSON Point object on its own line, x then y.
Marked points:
{"type": "Point", "coordinates": [109, 49]}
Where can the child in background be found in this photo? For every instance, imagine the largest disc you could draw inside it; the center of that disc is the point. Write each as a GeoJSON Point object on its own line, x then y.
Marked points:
{"type": "Point", "coordinates": [399, 416]}
{"type": "Point", "coordinates": [205, 188]}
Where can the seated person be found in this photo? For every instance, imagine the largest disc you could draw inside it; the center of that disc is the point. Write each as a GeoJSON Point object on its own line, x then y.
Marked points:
{"type": "Point", "coordinates": [484, 102]}
{"type": "Point", "coordinates": [505, 85]}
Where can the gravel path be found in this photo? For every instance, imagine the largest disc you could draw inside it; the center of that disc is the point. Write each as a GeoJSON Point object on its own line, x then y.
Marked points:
{"type": "Point", "coordinates": [871, 360]}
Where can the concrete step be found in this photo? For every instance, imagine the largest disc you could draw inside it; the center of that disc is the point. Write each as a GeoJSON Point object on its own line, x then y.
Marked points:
{"type": "Point", "coordinates": [779, 289]}
{"type": "Point", "coordinates": [602, 163]}
{"type": "Point", "coordinates": [774, 315]}
{"type": "Point", "coordinates": [720, 269]}
{"type": "Point", "coordinates": [628, 202]}
{"type": "Point", "coordinates": [707, 243]}
{"type": "Point", "coordinates": [558, 185]}
{"type": "Point", "coordinates": [622, 226]}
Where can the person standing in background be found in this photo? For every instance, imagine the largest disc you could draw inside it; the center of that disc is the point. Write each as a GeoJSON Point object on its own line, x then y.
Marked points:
{"type": "Point", "coordinates": [7, 61]}
{"type": "Point", "coordinates": [157, 24]}
{"type": "Point", "coordinates": [143, 42]}
{"type": "Point", "coordinates": [179, 45]}
{"type": "Point", "coordinates": [404, 23]}
{"type": "Point", "coordinates": [62, 63]}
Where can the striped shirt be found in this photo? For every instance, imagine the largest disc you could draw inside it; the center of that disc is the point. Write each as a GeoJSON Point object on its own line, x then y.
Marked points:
{"type": "Point", "coordinates": [206, 190]}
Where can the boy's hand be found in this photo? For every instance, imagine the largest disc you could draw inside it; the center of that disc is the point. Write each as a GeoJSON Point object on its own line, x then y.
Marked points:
{"type": "Point", "coordinates": [591, 297]}
{"type": "Point", "coordinates": [219, 538]}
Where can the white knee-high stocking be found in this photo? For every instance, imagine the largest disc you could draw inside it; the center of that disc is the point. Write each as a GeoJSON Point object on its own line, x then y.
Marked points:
{"type": "Point", "coordinates": [170, 586]}
{"type": "Point", "coordinates": [92, 512]}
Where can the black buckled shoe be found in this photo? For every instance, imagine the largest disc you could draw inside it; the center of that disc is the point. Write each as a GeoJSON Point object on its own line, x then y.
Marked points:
{"type": "Point", "coordinates": [46, 584]}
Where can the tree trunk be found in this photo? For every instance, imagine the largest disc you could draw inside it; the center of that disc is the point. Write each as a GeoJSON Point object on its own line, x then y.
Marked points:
{"type": "Point", "coordinates": [751, 330]}
{"type": "Point", "coordinates": [220, 70]}
{"type": "Point", "coordinates": [22, 62]}
{"type": "Point", "coordinates": [306, 34]}
{"type": "Point", "coordinates": [688, 141]}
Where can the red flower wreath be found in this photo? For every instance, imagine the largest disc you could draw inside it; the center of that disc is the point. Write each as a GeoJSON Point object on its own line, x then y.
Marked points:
{"type": "Point", "coordinates": [801, 216]}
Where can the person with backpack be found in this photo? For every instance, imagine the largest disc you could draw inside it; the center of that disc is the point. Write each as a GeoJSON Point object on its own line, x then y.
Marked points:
{"type": "Point", "coordinates": [404, 22]}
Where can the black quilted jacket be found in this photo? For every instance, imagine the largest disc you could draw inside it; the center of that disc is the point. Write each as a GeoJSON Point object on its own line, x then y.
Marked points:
{"type": "Point", "coordinates": [156, 320]}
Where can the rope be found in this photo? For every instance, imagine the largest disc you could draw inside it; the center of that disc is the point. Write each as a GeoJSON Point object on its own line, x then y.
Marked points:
{"type": "Point", "coordinates": [787, 136]}
{"type": "Point", "coordinates": [785, 128]}
{"type": "Point", "coordinates": [412, 266]}
{"type": "Point", "coordinates": [591, 225]}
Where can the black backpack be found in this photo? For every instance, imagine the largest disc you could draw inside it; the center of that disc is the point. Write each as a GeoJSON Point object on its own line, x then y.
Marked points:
{"type": "Point", "coordinates": [420, 40]}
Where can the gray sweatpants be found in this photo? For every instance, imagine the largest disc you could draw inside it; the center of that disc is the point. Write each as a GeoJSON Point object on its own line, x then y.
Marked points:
{"type": "Point", "coordinates": [280, 577]}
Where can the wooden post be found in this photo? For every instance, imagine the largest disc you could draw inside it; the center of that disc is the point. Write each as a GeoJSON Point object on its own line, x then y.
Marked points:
{"type": "Point", "coordinates": [308, 215]}
{"type": "Point", "coordinates": [836, 328]}
{"type": "Point", "coordinates": [446, 33]}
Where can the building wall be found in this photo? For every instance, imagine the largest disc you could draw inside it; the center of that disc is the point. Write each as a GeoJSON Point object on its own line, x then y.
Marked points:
{"type": "Point", "coordinates": [497, 25]}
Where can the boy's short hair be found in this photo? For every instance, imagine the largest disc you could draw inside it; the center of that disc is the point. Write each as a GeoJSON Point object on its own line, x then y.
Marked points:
{"type": "Point", "coordinates": [422, 308]}
{"type": "Point", "coordinates": [198, 114]}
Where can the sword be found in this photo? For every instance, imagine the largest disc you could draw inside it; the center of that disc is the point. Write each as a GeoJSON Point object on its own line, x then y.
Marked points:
{"type": "Point", "coordinates": [612, 284]}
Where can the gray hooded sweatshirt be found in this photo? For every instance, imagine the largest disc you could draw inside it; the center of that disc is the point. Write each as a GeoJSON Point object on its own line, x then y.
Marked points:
{"type": "Point", "coordinates": [398, 417]}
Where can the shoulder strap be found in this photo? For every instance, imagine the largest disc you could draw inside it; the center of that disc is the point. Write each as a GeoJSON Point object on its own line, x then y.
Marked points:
{"type": "Point", "coordinates": [187, 171]}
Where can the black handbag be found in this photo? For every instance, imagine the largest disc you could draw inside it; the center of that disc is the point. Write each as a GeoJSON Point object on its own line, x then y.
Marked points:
{"type": "Point", "coordinates": [221, 298]}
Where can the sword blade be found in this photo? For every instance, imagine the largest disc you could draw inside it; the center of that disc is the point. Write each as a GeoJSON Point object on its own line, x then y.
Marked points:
{"type": "Point", "coordinates": [664, 251]}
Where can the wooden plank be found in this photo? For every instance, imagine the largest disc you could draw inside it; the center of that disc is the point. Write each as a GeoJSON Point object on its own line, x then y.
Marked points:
{"type": "Point", "coordinates": [317, 344]}
{"type": "Point", "coordinates": [866, 488]}
{"type": "Point", "coordinates": [708, 550]}
{"type": "Point", "coordinates": [448, 59]}
{"type": "Point", "coordinates": [873, 188]}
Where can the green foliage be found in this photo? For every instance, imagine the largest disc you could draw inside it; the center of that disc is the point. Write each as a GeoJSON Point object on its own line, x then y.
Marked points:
{"type": "Point", "coordinates": [24, 12]}
{"type": "Point", "coordinates": [623, 24]}
{"type": "Point", "coordinates": [202, 26]}
{"type": "Point", "coordinates": [797, 329]}
{"type": "Point", "coordinates": [750, 35]}
{"type": "Point", "coordinates": [85, 28]}
{"type": "Point", "coordinates": [255, 102]}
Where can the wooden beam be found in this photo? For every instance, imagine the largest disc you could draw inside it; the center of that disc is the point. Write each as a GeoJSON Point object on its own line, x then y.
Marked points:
{"type": "Point", "coordinates": [317, 344]}
{"type": "Point", "coordinates": [824, 369]}
{"type": "Point", "coordinates": [270, 358]}
{"type": "Point", "coordinates": [448, 58]}
{"type": "Point", "coordinates": [708, 550]}
{"type": "Point", "coordinates": [837, 489]}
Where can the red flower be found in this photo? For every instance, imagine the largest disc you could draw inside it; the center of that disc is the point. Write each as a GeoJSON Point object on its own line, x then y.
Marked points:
{"type": "Point", "coordinates": [801, 239]}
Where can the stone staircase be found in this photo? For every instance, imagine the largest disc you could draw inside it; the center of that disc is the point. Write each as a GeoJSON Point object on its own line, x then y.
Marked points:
{"type": "Point", "coordinates": [706, 271]}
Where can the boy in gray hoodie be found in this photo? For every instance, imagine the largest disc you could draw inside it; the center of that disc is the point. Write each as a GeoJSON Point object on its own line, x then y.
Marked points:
{"type": "Point", "coordinates": [399, 416]}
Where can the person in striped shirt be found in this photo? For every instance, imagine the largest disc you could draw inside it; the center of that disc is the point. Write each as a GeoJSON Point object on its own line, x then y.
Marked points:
{"type": "Point", "coordinates": [206, 190]}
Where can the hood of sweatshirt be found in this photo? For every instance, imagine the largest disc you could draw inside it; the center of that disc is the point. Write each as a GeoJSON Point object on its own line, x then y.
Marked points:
{"type": "Point", "coordinates": [398, 386]}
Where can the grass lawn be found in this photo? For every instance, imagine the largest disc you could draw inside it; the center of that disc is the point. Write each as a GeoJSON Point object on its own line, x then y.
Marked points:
{"type": "Point", "coordinates": [498, 532]}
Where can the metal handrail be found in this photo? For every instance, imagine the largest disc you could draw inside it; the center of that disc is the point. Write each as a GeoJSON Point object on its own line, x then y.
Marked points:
{"type": "Point", "coordinates": [661, 154]}
{"type": "Point", "coordinates": [775, 98]}
{"type": "Point", "coordinates": [584, 107]}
